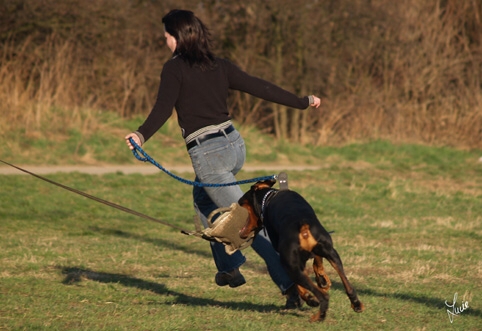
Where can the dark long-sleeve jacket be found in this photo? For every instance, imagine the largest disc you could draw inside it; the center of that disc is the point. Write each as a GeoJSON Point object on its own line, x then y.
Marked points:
{"type": "Point", "coordinates": [200, 97]}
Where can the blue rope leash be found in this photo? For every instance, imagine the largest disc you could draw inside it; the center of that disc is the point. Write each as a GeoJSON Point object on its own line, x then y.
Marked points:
{"type": "Point", "coordinates": [146, 158]}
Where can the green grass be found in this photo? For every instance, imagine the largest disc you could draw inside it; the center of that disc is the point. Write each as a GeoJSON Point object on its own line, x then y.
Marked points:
{"type": "Point", "coordinates": [407, 222]}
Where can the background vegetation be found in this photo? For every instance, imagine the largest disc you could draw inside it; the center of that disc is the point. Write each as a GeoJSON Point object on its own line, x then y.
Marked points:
{"type": "Point", "coordinates": [404, 71]}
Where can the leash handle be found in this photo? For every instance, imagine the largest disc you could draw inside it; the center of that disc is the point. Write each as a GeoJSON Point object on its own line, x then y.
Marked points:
{"type": "Point", "coordinates": [146, 158]}
{"type": "Point", "coordinates": [137, 148]}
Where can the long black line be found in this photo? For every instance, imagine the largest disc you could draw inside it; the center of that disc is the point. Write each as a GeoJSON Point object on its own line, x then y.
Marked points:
{"type": "Point", "coordinates": [105, 202]}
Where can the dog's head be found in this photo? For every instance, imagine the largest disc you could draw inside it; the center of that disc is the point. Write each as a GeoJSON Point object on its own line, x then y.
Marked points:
{"type": "Point", "coordinates": [251, 200]}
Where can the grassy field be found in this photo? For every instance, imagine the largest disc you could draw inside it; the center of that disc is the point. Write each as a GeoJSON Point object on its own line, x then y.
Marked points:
{"type": "Point", "coordinates": [407, 222]}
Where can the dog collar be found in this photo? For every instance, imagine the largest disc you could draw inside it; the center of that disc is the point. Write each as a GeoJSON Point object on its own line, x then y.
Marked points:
{"type": "Point", "coordinates": [266, 199]}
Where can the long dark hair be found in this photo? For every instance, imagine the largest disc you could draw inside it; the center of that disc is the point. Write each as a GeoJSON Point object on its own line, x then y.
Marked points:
{"type": "Point", "coordinates": [192, 37]}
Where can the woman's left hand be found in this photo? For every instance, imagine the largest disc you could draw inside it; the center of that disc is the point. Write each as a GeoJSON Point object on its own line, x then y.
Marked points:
{"type": "Point", "coordinates": [316, 102]}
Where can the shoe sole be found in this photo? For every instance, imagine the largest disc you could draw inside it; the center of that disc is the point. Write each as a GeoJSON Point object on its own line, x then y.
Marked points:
{"type": "Point", "coordinates": [231, 284]}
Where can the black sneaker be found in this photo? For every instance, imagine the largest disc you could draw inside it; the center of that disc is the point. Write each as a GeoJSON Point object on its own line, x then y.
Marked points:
{"type": "Point", "coordinates": [293, 300]}
{"type": "Point", "coordinates": [233, 278]}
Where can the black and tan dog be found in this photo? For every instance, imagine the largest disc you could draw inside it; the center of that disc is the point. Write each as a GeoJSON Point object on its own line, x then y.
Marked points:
{"type": "Point", "coordinates": [297, 235]}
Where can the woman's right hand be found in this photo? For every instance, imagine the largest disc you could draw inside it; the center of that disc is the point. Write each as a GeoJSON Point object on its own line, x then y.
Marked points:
{"type": "Point", "coordinates": [134, 137]}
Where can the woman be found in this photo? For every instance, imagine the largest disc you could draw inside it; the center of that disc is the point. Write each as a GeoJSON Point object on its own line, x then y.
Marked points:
{"type": "Point", "coordinates": [196, 83]}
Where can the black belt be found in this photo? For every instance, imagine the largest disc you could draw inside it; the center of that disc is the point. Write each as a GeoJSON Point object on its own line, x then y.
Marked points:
{"type": "Point", "coordinates": [201, 139]}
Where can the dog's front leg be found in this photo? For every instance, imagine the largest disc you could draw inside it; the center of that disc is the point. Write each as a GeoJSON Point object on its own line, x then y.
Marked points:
{"type": "Point", "coordinates": [307, 297]}
{"type": "Point", "coordinates": [306, 285]}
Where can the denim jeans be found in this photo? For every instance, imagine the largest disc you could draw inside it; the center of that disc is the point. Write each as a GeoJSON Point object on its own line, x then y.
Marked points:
{"type": "Point", "coordinates": [218, 160]}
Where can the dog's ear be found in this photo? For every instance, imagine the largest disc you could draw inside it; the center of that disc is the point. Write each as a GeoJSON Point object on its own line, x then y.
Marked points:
{"type": "Point", "coordinates": [264, 184]}
{"type": "Point", "coordinates": [254, 187]}
{"type": "Point", "coordinates": [261, 185]}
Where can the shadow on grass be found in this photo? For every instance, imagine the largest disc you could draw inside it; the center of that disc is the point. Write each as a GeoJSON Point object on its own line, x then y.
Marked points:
{"type": "Point", "coordinates": [431, 302]}
{"type": "Point", "coordinates": [205, 253]}
{"type": "Point", "coordinates": [75, 275]}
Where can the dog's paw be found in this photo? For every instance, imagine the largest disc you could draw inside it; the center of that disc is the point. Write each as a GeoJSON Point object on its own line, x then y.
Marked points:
{"type": "Point", "coordinates": [312, 302]}
{"type": "Point", "coordinates": [358, 307]}
{"type": "Point", "coordinates": [318, 317]}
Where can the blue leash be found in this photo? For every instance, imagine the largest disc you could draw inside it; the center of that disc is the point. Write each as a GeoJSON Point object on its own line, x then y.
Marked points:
{"type": "Point", "coordinates": [146, 158]}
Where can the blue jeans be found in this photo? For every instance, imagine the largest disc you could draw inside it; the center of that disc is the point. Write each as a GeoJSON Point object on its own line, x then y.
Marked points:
{"type": "Point", "coordinates": [218, 160]}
